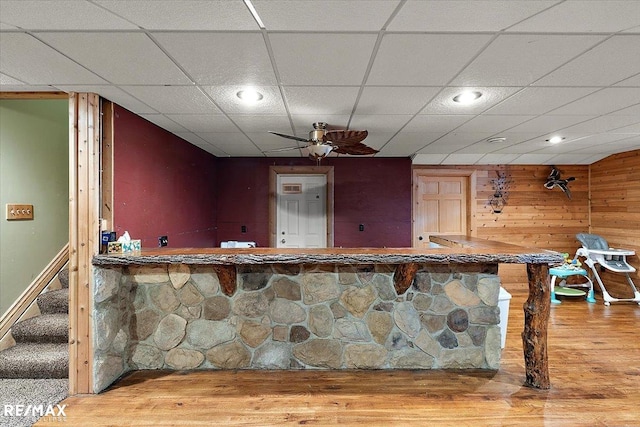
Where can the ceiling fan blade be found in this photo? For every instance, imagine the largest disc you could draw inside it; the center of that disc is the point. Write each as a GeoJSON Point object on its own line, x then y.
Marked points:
{"type": "Point", "coordinates": [355, 149]}
{"type": "Point", "coordinates": [341, 137]}
{"type": "Point", "coordinates": [297, 138]}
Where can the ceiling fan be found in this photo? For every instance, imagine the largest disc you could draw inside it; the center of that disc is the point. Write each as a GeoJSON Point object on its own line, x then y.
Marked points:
{"type": "Point", "coordinates": [323, 140]}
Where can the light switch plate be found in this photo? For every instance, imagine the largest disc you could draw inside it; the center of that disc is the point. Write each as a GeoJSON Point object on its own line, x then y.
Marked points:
{"type": "Point", "coordinates": [19, 212]}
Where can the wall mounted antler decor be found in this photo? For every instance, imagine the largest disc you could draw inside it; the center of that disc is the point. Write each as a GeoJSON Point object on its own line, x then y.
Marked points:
{"type": "Point", "coordinates": [500, 195]}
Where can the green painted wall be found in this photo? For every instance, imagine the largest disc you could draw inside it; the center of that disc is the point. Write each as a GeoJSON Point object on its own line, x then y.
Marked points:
{"type": "Point", "coordinates": [34, 169]}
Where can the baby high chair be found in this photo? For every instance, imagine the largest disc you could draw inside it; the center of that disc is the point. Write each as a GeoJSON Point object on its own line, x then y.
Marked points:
{"type": "Point", "coordinates": [596, 250]}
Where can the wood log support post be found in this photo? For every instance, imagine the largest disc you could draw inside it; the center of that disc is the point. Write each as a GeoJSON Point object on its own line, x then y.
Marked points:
{"type": "Point", "coordinates": [403, 277]}
{"type": "Point", "coordinates": [536, 320]}
{"type": "Point", "coordinates": [227, 277]}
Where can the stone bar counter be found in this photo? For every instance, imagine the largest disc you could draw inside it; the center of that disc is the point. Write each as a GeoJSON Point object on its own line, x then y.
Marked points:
{"type": "Point", "coordinates": [335, 308]}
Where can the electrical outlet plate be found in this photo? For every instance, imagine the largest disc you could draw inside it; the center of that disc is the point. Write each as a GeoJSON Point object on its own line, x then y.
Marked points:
{"type": "Point", "coordinates": [19, 212]}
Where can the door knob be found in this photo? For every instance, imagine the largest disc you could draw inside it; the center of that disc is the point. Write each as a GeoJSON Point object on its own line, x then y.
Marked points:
{"type": "Point", "coordinates": [420, 238]}
{"type": "Point", "coordinates": [282, 241]}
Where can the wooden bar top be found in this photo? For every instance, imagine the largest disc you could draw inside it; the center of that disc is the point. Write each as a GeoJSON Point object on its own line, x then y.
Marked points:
{"type": "Point", "coordinates": [460, 251]}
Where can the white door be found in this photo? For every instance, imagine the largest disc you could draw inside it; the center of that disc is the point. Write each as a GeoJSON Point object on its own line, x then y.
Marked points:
{"type": "Point", "coordinates": [301, 211]}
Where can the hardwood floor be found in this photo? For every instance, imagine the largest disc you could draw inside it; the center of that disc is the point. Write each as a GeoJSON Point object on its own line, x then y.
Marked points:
{"type": "Point", "coordinates": [594, 359]}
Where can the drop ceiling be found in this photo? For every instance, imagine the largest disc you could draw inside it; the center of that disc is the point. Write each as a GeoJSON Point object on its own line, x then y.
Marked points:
{"type": "Point", "coordinates": [569, 68]}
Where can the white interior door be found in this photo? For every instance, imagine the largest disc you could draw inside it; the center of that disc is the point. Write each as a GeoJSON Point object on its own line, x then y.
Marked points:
{"type": "Point", "coordinates": [301, 211]}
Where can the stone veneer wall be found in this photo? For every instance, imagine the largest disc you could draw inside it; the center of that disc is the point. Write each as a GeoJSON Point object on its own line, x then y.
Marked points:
{"type": "Point", "coordinates": [294, 317]}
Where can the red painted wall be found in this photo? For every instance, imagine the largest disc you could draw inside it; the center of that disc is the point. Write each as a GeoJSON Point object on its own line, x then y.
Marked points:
{"type": "Point", "coordinates": [162, 185]}
{"type": "Point", "coordinates": [369, 191]}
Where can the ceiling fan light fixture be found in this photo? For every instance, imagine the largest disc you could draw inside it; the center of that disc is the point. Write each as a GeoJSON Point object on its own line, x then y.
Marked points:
{"type": "Point", "coordinates": [320, 151]}
{"type": "Point", "coordinates": [555, 139]}
{"type": "Point", "coordinates": [496, 140]}
{"type": "Point", "coordinates": [249, 95]}
{"type": "Point", "coordinates": [467, 97]}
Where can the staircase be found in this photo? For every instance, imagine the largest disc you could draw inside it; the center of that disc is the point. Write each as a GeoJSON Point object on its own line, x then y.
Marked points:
{"type": "Point", "coordinates": [42, 349]}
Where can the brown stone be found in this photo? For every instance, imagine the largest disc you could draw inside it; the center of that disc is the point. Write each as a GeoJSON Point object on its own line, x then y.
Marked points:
{"type": "Point", "coordinates": [433, 322]}
{"type": "Point", "coordinates": [280, 333]}
{"type": "Point", "coordinates": [364, 356]}
{"type": "Point", "coordinates": [422, 302]}
{"type": "Point", "coordinates": [232, 355]}
{"type": "Point", "coordinates": [254, 278]}
{"type": "Point", "coordinates": [251, 304]}
{"type": "Point", "coordinates": [287, 312]}
{"type": "Point", "coordinates": [422, 282]}
{"type": "Point", "coordinates": [182, 358]}
{"type": "Point", "coordinates": [299, 334]}
{"type": "Point", "coordinates": [170, 331]}
{"type": "Point", "coordinates": [254, 333]}
{"type": "Point", "coordinates": [164, 297]}
{"type": "Point", "coordinates": [460, 295]}
{"type": "Point", "coordinates": [287, 289]}
{"type": "Point", "coordinates": [321, 320]}
{"type": "Point", "coordinates": [477, 334]}
{"type": "Point", "coordinates": [338, 310]}
{"type": "Point", "coordinates": [484, 315]}
{"type": "Point", "coordinates": [323, 353]}
{"type": "Point", "coordinates": [189, 295]}
{"type": "Point", "coordinates": [216, 308]}
{"type": "Point", "coordinates": [179, 274]}
{"type": "Point", "coordinates": [145, 322]}
{"type": "Point", "coordinates": [319, 287]}
{"type": "Point", "coordinates": [358, 300]}
{"type": "Point", "coordinates": [380, 324]}
{"type": "Point", "coordinates": [458, 320]}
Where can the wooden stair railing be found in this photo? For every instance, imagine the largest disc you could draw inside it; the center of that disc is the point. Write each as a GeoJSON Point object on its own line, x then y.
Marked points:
{"type": "Point", "coordinates": [36, 287]}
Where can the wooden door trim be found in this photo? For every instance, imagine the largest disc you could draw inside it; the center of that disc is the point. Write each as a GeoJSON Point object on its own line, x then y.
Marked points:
{"type": "Point", "coordinates": [274, 171]}
{"type": "Point", "coordinates": [470, 175]}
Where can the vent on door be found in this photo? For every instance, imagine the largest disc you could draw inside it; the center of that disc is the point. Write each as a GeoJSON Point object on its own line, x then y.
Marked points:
{"type": "Point", "coordinates": [291, 188]}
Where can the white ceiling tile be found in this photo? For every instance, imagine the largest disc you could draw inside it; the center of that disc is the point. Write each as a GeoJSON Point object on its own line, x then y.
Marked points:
{"type": "Point", "coordinates": [174, 99]}
{"type": "Point", "coordinates": [613, 60]}
{"type": "Point", "coordinates": [326, 15]}
{"type": "Point", "coordinates": [6, 80]}
{"type": "Point", "coordinates": [407, 143]}
{"type": "Point", "coordinates": [212, 15]}
{"type": "Point", "coordinates": [602, 102]}
{"type": "Point", "coordinates": [521, 59]}
{"type": "Point", "coordinates": [444, 103]}
{"type": "Point", "coordinates": [378, 140]}
{"type": "Point", "coordinates": [261, 123]}
{"type": "Point", "coordinates": [545, 124]}
{"type": "Point", "coordinates": [320, 101]}
{"type": "Point", "coordinates": [633, 110]}
{"type": "Point", "coordinates": [584, 16]}
{"type": "Point", "coordinates": [164, 122]}
{"type": "Point", "coordinates": [227, 99]}
{"type": "Point", "coordinates": [532, 159]}
{"type": "Point", "coordinates": [23, 57]}
{"type": "Point", "coordinates": [394, 100]}
{"type": "Point", "coordinates": [113, 94]}
{"type": "Point", "coordinates": [449, 16]}
{"type": "Point", "coordinates": [221, 58]}
{"type": "Point", "coordinates": [322, 58]}
{"type": "Point", "coordinates": [104, 54]}
{"type": "Point", "coordinates": [539, 100]}
{"type": "Point", "coordinates": [31, 88]}
{"type": "Point", "coordinates": [428, 159]}
{"type": "Point", "coordinates": [234, 144]}
{"type": "Point", "coordinates": [204, 122]}
{"type": "Point", "coordinates": [497, 159]}
{"type": "Point", "coordinates": [461, 159]}
{"type": "Point", "coordinates": [631, 129]}
{"type": "Point", "coordinates": [423, 59]}
{"type": "Point", "coordinates": [570, 159]}
{"type": "Point", "coordinates": [492, 124]}
{"type": "Point", "coordinates": [60, 15]}
{"type": "Point", "coordinates": [604, 124]}
{"type": "Point", "coordinates": [377, 123]}
{"type": "Point", "coordinates": [4, 26]}
{"type": "Point", "coordinates": [454, 141]}
{"type": "Point", "coordinates": [436, 123]}
{"type": "Point", "coordinates": [631, 81]}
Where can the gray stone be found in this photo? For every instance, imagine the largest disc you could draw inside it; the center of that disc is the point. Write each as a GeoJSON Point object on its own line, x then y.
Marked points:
{"type": "Point", "coordinates": [319, 287]}
{"type": "Point", "coordinates": [365, 273]}
{"type": "Point", "coordinates": [411, 359]}
{"type": "Point", "coordinates": [272, 355]}
{"type": "Point", "coordinates": [477, 334]}
{"type": "Point", "coordinates": [164, 297]}
{"type": "Point", "coordinates": [425, 342]}
{"type": "Point", "coordinates": [190, 313]}
{"type": "Point", "coordinates": [120, 342]}
{"type": "Point", "coordinates": [216, 308]}
{"type": "Point", "coordinates": [232, 355]}
{"type": "Point", "coordinates": [422, 282]}
{"type": "Point", "coordinates": [189, 295]}
{"type": "Point", "coordinates": [380, 324]}
{"type": "Point", "coordinates": [140, 298]}
{"type": "Point", "coordinates": [384, 286]}
{"type": "Point", "coordinates": [338, 310]}
{"type": "Point", "coordinates": [440, 278]}
{"type": "Point", "coordinates": [407, 319]}
{"type": "Point", "coordinates": [182, 358]}
{"type": "Point", "coordinates": [106, 322]}
{"type": "Point", "coordinates": [179, 275]}
{"type": "Point", "coordinates": [287, 312]}
{"type": "Point", "coordinates": [489, 290]}
{"type": "Point", "coordinates": [462, 358]}
{"type": "Point", "coordinates": [169, 332]}
{"type": "Point", "coordinates": [321, 320]}
{"type": "Point", "coordinates": [351, 330]}
{"type": "Point", "coordinates": [464, 340]}
{"type": "Point", "coordinates": [287, 289]}
{"type": "Point", "coordinates": [250, 304]}
{"type": "Point", "coordinates": [254, 279]}
{"type": "Point", "coordinates": [204, 334]}
{"type": "Point", "coordinates": [364, 356]}
{"type": "Point", "coordinates": [254, 333]}
{"type": "Point", "coordinates": [106, 369]}
{"type": "Point", "coordinates": [145, 322]}
{"type": "Point", "coordinates": [107, 282]}
{"type": "Point", "coordinates": [447, 339]}
{"type": "Point", "coordinates": [484, 315]}
{"type": "Point", "coordinates": [358, 300]}
{"type": "Point", "coordinates": [433, 322]}
{"type": "Point", "coordinates": [146, 274]}
{"type": "Point", "coordinates": [397, 341]}
{"type": "Point", "coordinates": [422, 302]}
{"type": "Point", "coordinates": [321, 353]}
{"type": "Point", "coordinates": [493, 348]}
{"type": "Point", "coordinates": [347, 275]}
{"type": "Point", "coordinates": [299, 334]}
{"type": "Point", "coordinates": [458, 320]}
{"type": "Point", "coordinates": [147, 357]}
{"type": "Point", "coordinates": [441, 305]}
{"type": "Point", "coordinates": [383, 306]}
{"type": "Point", "coordinates": [460, 295]}
{"type": "Point", "coordinates": [206, 280]}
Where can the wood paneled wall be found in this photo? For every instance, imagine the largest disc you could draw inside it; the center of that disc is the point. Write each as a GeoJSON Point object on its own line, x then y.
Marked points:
{"type": "Point", "coordinates": [615, 211]}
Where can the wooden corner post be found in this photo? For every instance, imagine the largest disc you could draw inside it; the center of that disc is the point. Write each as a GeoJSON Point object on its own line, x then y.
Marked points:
{"type": "Point", "coordinates": [536, 319]}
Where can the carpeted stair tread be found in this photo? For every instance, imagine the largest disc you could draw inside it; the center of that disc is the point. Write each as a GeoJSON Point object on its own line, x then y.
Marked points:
{"type": "Point", "coordinates": [63, 277]}
{"type": "Point", "coordinates": [46, 328]}
{"type": "Point", "coordinates": [54, 301]}
{"type": "Point", "coordinates": [35, 360]}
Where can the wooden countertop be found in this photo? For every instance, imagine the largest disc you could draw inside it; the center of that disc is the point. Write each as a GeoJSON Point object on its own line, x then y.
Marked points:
{"type": "Point", "coordinates": [461, 250]}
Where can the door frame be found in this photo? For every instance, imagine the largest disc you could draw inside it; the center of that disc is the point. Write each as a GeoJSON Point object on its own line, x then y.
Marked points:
{"type": "Point", "coordinates": [471, 177]}
{"type": "Point", "coordinates": [274, 171]}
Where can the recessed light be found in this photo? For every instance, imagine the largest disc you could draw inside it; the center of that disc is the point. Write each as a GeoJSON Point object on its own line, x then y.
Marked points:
{"type": "Point", "coordinates": [555, 139]}
{"type": "Point", "coordinates": [496, 140]}
{"type": "Point", "coordinates": [249, 95]}
{"type": "Point", "coordinates": [467, 97]}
